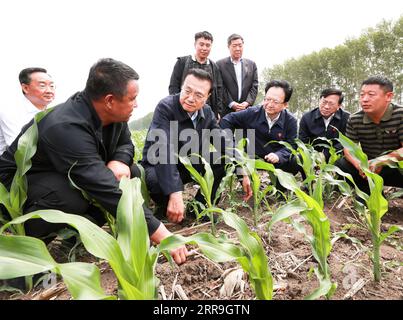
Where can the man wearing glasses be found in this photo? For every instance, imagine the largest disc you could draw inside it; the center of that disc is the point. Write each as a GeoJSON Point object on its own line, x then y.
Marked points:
{"type": "Point", "coordinates": [324, 120]}
{"type": "Point", "coordinates": [240, 77]}
{"type": "Point", "coordinates": [39, 91]}
{"type": "Point", "coordinates": [183, 124]}
{"type": "Point", "coordinates": [272, 122]}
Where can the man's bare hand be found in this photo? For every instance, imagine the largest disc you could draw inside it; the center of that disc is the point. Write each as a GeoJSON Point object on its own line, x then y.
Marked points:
{"type": "Point", "coordinates": [176, 207]}
{"type": "Point", "coordinates": [119, 169]}
{"type": "Point", "coordinates": [179, 254]}
{"type": "Point", "coordinates": [272, 158]}
{"type": "Point", "coordinates": [246, 188]}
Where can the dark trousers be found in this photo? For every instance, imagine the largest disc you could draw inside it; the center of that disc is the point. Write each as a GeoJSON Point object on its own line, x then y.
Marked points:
{"type": "Point", "coordinates": [161, 200]}
{"type": "Point", "coordinates": [52, 190]}
{"type": "Point", "coordinates": [391, 177]}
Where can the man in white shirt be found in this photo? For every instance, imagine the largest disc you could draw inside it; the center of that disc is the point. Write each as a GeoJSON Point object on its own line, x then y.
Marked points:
{"type": "Point", "coordinates": [39, 91]}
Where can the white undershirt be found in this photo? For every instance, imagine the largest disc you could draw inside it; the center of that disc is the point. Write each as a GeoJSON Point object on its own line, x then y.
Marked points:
{"type": "Point", "coordinates": [272, 122]}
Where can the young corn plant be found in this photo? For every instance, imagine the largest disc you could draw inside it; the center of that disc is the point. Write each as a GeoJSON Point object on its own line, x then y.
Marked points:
{"type": "Point", "coordinates": [311, 209]}
{"type": "Point", "coordinates": [252, 256]}
{"type": "Point", "coordinates": [250, 167]}
{"type": "Point", "coordinates": [312, 162]}
{"type": "Point", "coordinates": [206, 186]}
{"type": "Point", "coordinates": [249, 252]}
{"type": "Point", "coordinates": [376, 203]}
{"type": "Point", "coordinates": [25, 256]}
{"type": "Point", "coordinates": [130, 255]}
{"type": "Point", "coordinates": [14, 200]}
{"type": "Point", "coordinates": [334, 155]}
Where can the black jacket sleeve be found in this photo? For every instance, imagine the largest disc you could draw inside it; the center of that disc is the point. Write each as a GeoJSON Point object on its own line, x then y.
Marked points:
{"type": "Point", "coordinates": [125, 150]}
{"type": "Point", "coordinates": [176, 77]}
{"type": "Point", "coordinates": [303, 132]}
{"type": "Point", "coordinates": [166, 166]}
{"type": "Point", "coordinates": [79, 152]}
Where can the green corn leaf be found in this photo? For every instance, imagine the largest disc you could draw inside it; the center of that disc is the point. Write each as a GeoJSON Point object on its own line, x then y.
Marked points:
{"type": "Point", "coordinates": [332, 168]}
{"type": "Point", "coordinates": [320, 241]}
{"type": "Point", "coordinates": [320, 224]}
{"type": "Point", "coordinates": [205, 187]}
{"type": "Point", "coordinates": [326, 288]}
{"type": "Point", "coordinates": [225, 182]}
{"type": "Point", "coordinates": [133, 237]}
{"type": "Point", "coordinates": [318, 190]}
{"type": "Point", "coordinates": [355, 150]}
{"type": "Point", "coordinates": [286, 211]}
{"type": "Point", "coordinates": [287, 180]}
{"type": "Point", "coordinates": [97, 241]}
{"type": "Point", "coordinates": [132, 228]}
{"type": "Point", "coordinates": [377, 204]}
{"type": "Point", "coordinates": [390, 231]}
{"type": "Point", "coordinates": [23, 256]}
{"type": "Point", "coordinates": [255, 263]}
{"type": "Point", "coordinates": [342, 185]}
{"type": "Point", "coordinates": [83, 280]}
{"type": "Point", "coordinates": [212, 247]}
{"type": "Point", "coordinates": [4, 200]}
{"type": "Point", "coordinates": [144, 190]}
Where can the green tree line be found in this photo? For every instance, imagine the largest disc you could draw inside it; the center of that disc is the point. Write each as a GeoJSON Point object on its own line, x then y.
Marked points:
{"type": "Point", "coordinates": [377, 51]}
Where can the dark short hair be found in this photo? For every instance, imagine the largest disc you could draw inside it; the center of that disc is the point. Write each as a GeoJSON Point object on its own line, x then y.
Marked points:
{"type": "Point", "coordinates": [385, 84]}
{"type": "Point", "coordinates": [330, 91]}
{"type": "Point", "coordinates": [204, 34]}
{"type": "Point", "coordinates": [285, 85]}
{"type": "Point", "coordinates": [201, 75]}
{"type": "Point", "coordinates": [109, 76]}
{"type": "Point", "coordinates": [233, 37]}
{"type": "Point", "coordinates": [25, 74]}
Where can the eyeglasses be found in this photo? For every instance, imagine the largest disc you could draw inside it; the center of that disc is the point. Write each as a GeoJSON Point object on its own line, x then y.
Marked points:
{"type": "Point", "coordinates": [274, 102]}
{"type": "Point", "coordinates": [324, 102]}
{"type": "Point", "coordinates": [196, 95]}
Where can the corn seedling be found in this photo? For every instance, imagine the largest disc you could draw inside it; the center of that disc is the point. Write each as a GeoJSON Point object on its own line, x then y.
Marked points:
{"type": "Point", "coordinates": [206, 183]}
{"type": "Point", "coordinates": [313, 164]}
{"type": "Point", "coordinates": [376, 203]}
{"type": "Point", "coordinates": [311, 210]}
{"type": "Point", "coordinates": [249, 166]}
{"type": "Point", "coordinates": [130, 255]}
{"type": "Point", "coordinates": [250, 253]}
{"type": "Point", "coordinates": [14, 200]}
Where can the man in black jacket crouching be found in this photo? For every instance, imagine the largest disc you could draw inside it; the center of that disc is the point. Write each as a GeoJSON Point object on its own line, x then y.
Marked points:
{"type": "Point", "coordinates": [87, 135]}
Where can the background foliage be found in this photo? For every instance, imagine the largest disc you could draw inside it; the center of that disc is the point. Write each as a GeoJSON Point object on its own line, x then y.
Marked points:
{"type": "Point", "coordinates": [377, 51]}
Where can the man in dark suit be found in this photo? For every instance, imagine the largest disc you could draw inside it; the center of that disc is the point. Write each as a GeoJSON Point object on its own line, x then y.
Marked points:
{"type": "Point", "coordinates": [323, 121]}
{"type": "Point", "coordinates": [240, 78]}
{"type": "Point", "coordinates": [272, 122]}
{"type": "Point", "coordinates": [182, 124]}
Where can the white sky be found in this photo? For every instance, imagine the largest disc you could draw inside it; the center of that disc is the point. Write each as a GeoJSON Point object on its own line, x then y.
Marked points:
{"type": "Point", "coordinates": [67, 37]}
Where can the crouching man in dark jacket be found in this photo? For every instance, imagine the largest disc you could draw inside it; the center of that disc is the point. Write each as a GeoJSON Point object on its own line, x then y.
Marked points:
{"type": "Point", "coordinates": [183, 124]}
{"type": "Point", "coordinates": [88, 135]}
